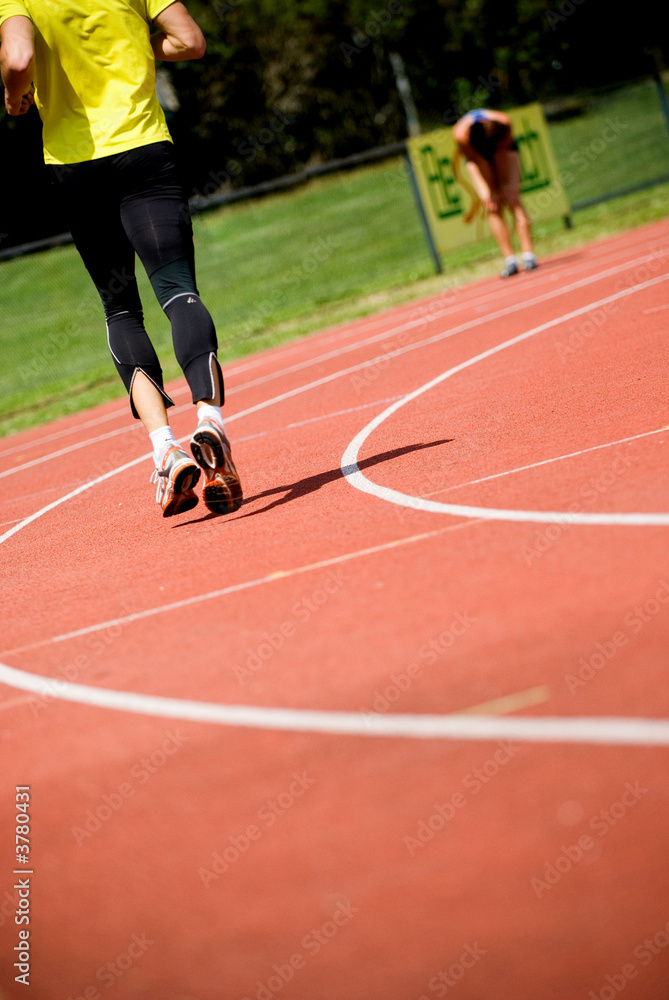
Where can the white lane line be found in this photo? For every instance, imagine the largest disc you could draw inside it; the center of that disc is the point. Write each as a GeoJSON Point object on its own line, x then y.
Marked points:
{"type": "Point", "coordinates": [349, 467]}
{"type": "Point", "coordinates": [69, 496]}
{"type": "Point", "coordinates": [433, 314]}
{"type": "Point", "coordinates": [67, 450]}
{"type": "Point", "coordinates": [33, 463]}
{"type": "Point", "coordinates": [315, 420]}
{"type": "Point", "coordinates": [656, 309]}
{"type": "Point", "coordinates": [444, 335]}
{"type": "Point", "coordinates": [547, 461]}
{"type": "Point", "coordinates": [61, 432]}
{"type": "Point", "coordinates": [548, 729]}
{"type": "Point", "coordinates": [357, 479]}
{"type": "Point", "coordinates": [237, 587]}
{"type": "Point", "coordinates": [423, 309]}
{"type": "Point", "coordinates": [24, 522]}
{"type": "Point", "coordinates": [116, 414]}
{"type": "Point", "coordinates": [428, 312]}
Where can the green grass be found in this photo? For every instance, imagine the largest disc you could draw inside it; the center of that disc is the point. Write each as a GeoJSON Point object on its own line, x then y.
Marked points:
{"type": "Point", "coordinates": [283, 266]}
{"type": "Point", "coordinates": [621, 140]}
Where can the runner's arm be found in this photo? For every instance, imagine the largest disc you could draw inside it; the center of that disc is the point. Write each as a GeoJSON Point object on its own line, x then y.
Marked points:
{"type": "Point", "coordinates": [178, 36]}
{"type": "Point", "coordinates": [16, 63]}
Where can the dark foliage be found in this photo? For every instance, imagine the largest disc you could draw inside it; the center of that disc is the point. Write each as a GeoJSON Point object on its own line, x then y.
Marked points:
{"type": "Point", "coordinates": [285, 84]}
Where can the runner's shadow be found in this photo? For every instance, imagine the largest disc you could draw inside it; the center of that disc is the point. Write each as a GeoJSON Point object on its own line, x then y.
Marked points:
{"type": "Point", "coordinates": [313, 483]}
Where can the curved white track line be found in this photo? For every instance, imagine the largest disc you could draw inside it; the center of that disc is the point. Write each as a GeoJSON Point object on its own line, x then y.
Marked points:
{"type": "Point", "coordinates": [351, 470]}
{"type": "Point", "coordinates": [615, 732]}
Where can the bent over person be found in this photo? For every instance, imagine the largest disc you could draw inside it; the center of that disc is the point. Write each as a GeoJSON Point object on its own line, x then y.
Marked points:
{"type": "Point", "coordinates": [90, 69]}
{"type": "Point", "coordinates": [484, 138]}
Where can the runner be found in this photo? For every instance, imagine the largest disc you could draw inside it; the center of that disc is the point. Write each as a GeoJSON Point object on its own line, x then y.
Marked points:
{"type": "Point", "coordinates": [484, 138]}
{"type": "Point", "coordinates": [111, 155]}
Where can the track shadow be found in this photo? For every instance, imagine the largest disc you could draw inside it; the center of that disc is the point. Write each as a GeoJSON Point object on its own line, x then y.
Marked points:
{"type": "Point", "coordinates": [311, 484]}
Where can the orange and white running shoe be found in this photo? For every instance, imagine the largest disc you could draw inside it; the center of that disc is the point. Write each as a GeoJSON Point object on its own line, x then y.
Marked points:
{"type": "Point", "coordinates": [175, 480]}
{"type": "Point", "coordinates": [222, 492]}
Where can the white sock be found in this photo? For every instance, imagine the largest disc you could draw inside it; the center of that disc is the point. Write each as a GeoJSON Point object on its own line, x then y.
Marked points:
{"type": "Point", "coordinates": [510, 260]}
{"type": "Point", "coordinates": [209, 412]}
{"type": "Point", "coordinates": [529, 257]}
{"type": "Point", "coordinates": [161, 440]}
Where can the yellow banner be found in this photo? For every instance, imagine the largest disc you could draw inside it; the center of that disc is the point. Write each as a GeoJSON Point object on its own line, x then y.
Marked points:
{"type": "Point", "coordinates": [446, 202]}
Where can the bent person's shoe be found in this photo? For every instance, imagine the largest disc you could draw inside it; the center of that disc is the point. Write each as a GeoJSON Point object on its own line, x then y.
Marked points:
{"type": "Point", "coordinates": [508, 270]}
{"type": "Point", "coordinates": [175, 479]}
{"type": "Point", "coordinates": [222, 492]}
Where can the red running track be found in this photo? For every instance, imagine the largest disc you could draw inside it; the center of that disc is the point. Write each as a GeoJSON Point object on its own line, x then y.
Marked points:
{"type": "Point", "coordinates": [450, 771]}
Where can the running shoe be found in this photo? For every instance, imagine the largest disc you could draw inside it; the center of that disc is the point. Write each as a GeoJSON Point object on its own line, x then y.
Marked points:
{"type": "Point", "coordinates": [175, 480]}
{"type": "Point", "coordinates": [508, 270]}
{"type": "Point", "coordinates": [222, 492]}
{"type": "Point", "coordinates": [530, 264]}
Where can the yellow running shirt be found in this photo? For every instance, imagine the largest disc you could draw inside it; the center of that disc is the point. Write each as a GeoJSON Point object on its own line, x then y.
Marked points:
{"type": "Point", "coordinates": [95, 85]}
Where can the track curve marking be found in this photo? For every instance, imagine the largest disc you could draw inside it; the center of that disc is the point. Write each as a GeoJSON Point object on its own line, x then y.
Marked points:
{"type": "Point", "coordinates": [351, 470]}
{"type": "Point", "coordinates": [607, 731]}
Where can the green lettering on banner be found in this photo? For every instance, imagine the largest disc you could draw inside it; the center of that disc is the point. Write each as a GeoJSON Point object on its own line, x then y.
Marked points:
{"type": "Point", "coordinates": [534, 172]}
{"type": "Point", "coordinates": [438, 172]}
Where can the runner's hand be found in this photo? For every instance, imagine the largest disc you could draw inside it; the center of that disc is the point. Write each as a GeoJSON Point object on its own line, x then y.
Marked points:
{"type": "Point", "coordinates": [19, 106]}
